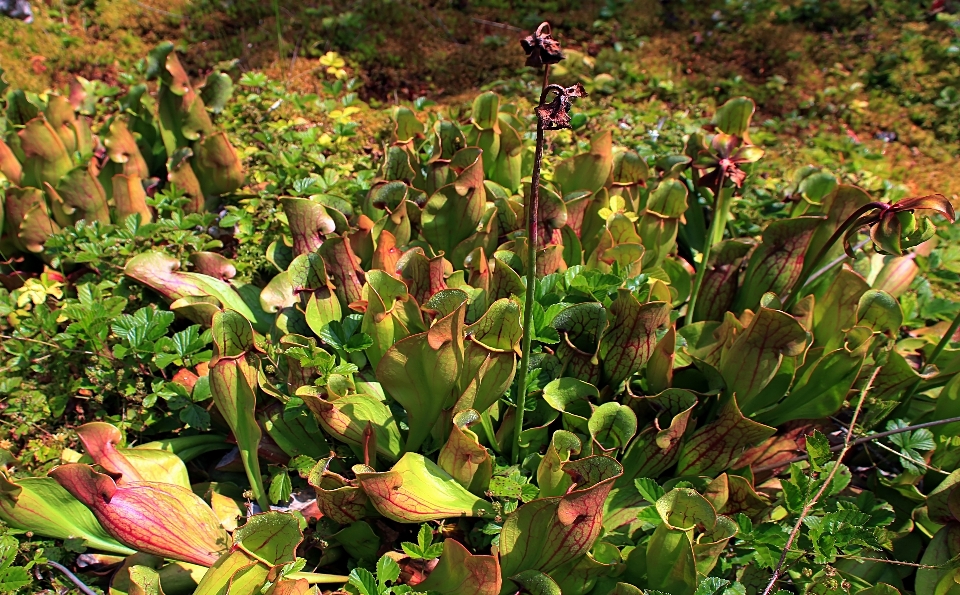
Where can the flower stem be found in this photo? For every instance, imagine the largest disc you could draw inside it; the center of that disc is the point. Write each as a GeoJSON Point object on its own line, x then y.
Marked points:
{"type": "Point", "coordinates": [721, 212]}
{"type": "Point", "coordinates": [810, 265]}
{"type": "Point", "coordinates": [533, 206]}
{"type": "Point", "coordinates": [531, 215]}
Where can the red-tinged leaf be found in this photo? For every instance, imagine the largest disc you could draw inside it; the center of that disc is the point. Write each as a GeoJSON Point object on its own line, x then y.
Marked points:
{"type": "Point", "coordinates": [159, 272]}
{"type": "Point", "coordinates": [463, 457]}
{"type": "Point", "coordinates": [894, 376]}
{"type": "Point", "coordinates": [548, 532]}
{"type": "Point", "coordinates": [347, 418]}
{"type": "Point", "coordinates": [180, 172]}
{"type": "Point", "coordinates": [774, 450]}
{"type": "Point", "coordinates": [214, 265]}
{"type": "Point", "coordinates": [722, 279]}
{"type": "Point", "coordinates": [122, 149]}
{"type": "Point", "coordinates": [416, 490]}
{"type": "Point", "coordinates": [386, 255]}
{"type": "Point", "coordinates": [80, 196]}
{"type": "Point", "coordinates": [627, 345]}
{"type": "Point", "coordinates": [755, 355]}
{"type": "Point", "coordinates": [217, 165]}
{"type": "Point", "coordinates": [9, 165]}
{"type": "Point", "coordinates": [46, 159]}
{"type": "Point", "coordinates": [743, 498]}
{"type": "Point", "coordinates": [836, 311]}
{"type": "Point", "coordinates": [659, 371]}
{"type": "Point", "coordinates": [161, 519]}
{"type": "Point", "coordinates": [344, 270]}
{"type": "Point", "coordinates": [943, 503]}
{"type": "Point", "coordinates": [271, 537]}
{"type": "Point", "coordinates": [130, 198]}
{"type": "Point", "coordinates": [309, 223]}
{"type": "Point", "coordinates": [461, 573]}
{"type": "Point", "coordinates": [424, 277]}
{"type": "Point", "coordinates": [42, 505]}
{"type": "Point", "coordinates": [421, 373]}
{"type": "Point", "coordinates": [933, 202]}
{"type": "Point", "coordinates": [897, 274]}
{"type": "Point", "coordinates": [292, 587]}
{"type": "Point", "coordinates": [28, 219]}
{"type": "Point", "coordinates": [837, 206]}
{"type": "Point", "coordinates": [101, 440]}
{"type": "Point", "coordinates": [233, 386]}
{"type": "Point", "coordinates": [451, 215]}
{"type": "Point", "coordinates": [713, 447]}
{"type": "Point", "coordinates": [337, 498]}
{"type": "Point", "coordinates": [777, 262]}
{"type": "Point", "coordinates": [504, 280]}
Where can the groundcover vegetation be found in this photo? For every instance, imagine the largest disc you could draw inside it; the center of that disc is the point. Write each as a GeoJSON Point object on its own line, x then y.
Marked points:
{"type": "Point", "coordinates": [297, 359]}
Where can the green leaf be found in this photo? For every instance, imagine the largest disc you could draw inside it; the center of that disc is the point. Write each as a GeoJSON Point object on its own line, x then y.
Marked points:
{"type": "Point", "coordinates": [271, 537]}
{"type": "Point", "coordinates": [387, 571]}
{"type": "Point", "coordinates": [417, 490]}
{"type": "Point", "coordinates": [42, 505]}
{"type": "Point", "coordinates": [364, 581]}
{"type": "Point", "coordinates": [733, 117]}
{"type": "Point", "coordinates": [461, 573]}
{"type": "Point", "coordinates": [587, 171]}
{"type": "Point", "coordinates": [818, 449]}
{"type": "Point", "coordinates": [649, 489]}
{"type": "Point", "coordinates": [536, 583]}
{"type": "Point", "coordinates": [280, 487]}
{"type": "Point", "coordinates": [671, 565]}
{"type": "Point", "coordinates": [879, 311]}
{"type": "Point", "coordinates": [612, 425]}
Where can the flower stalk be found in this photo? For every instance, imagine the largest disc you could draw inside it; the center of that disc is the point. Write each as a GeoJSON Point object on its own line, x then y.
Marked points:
{"type": "Point", "coordinates": [542, 50]}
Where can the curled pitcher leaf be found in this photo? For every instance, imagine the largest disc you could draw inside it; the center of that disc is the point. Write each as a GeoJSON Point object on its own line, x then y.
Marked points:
{"type": "Point", "coordinates": [103, 442]}
{"type": "Point", "coordinates": [42, 505]}
{"type": "Point", "coordinates": [754, 357]}
{"type": "Point", "coordinates": [233, 386]}
{"type": "Point", "coordinates": [714, 446]}
{"type": "Point", "coordinates": [157, 518]}
{"type": "Point", "coordinates": [461, 573]}
{"type": "Point", "coordinates": [545, 533]}
{"type": "Point", "coordinates": [350, 419]}
{"type": "Point", "coordinates": [778, 261]}
{"type": "Point", "coordinates": [629, 342]}
{"type": "Point", "coordinates": [417, 490]}
{"type": "Point", "coordinates": [338, 498]}
{"type": "Point", "coordinates": [463, 457]}
{"type": "Point", "coordinates": [551, 478]}
{"type": "Point", "coordinates": [421, 373]}
{"type": "Point", "coordinates": [489, 356]}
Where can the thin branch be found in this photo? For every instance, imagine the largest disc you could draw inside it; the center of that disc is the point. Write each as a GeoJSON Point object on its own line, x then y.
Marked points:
{"type": "Point", "coordinates": [863, 440]}
{"type": "Point", "coordinates": [495, 24]}
{"type": "Point", "coordinates": [847, 445]}
{"type": "Point", "coordinates": [73, 578]}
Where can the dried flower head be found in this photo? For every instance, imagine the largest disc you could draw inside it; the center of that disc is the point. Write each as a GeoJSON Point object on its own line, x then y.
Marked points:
{"type": "Point", "coordinates": [556, 114]}
{"type": "Point", "coordinates": [541, 48]}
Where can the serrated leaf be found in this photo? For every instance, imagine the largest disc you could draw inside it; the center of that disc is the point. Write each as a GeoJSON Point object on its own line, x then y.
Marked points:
{"type": "Point", "coordinates": [818, 449]}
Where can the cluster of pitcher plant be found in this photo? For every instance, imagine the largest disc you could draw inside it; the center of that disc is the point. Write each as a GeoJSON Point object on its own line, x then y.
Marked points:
{"type": "Point", "coordinates": [386, 348]}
